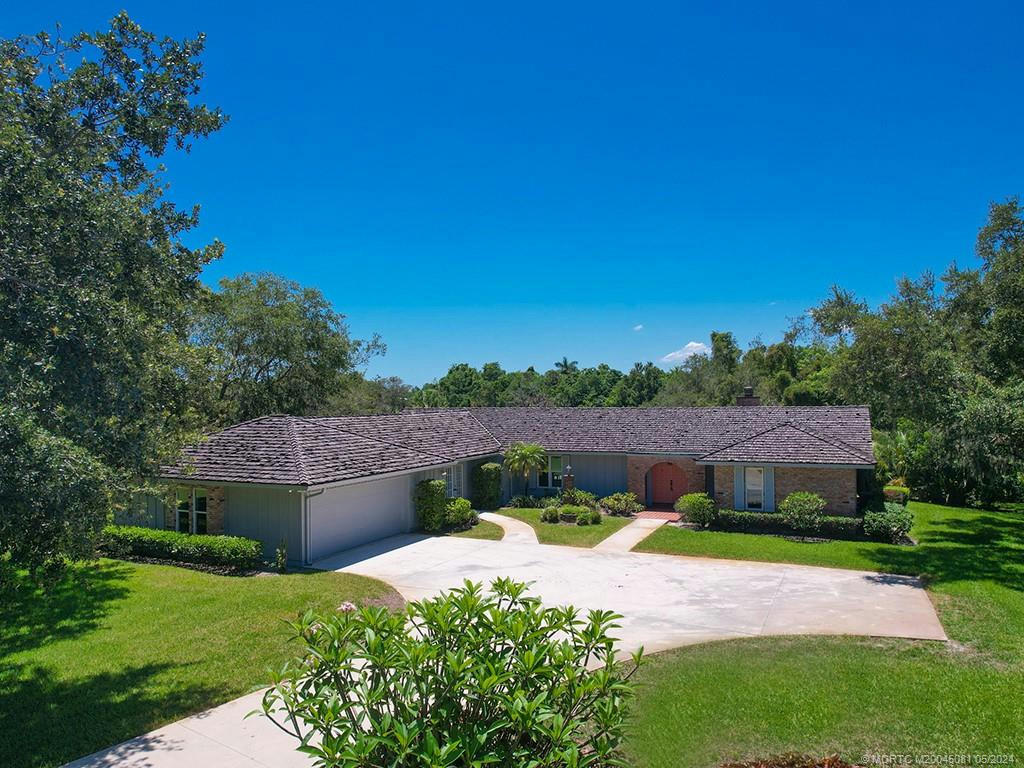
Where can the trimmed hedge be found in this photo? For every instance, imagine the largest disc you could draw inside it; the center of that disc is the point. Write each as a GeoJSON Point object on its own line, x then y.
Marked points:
{"type": "Point", "coordinates": [834, 527]}
{"type": "Point", "coordinates": [890, 523]}
{"type": "Point", "coordinates": [201, 549]}
{"type": "Point", "coordinates": [487, 486]}
{"type": "Point", "coordinates": [431, 504]}
{"type": "Point", "coordinates": [623, 504]}
{"type": "Point", "coordinates": [698, 508]}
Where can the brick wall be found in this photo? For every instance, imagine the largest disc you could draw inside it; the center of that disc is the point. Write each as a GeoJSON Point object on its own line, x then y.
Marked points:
{"type": "Point", "coordinates": [724, 486]}
{"type": "Point", "coordinates": [215, 510]}
{"type": "Point", "coordinates": [637, 468]}
{"type": "Point", "coordinates": [837, 486]}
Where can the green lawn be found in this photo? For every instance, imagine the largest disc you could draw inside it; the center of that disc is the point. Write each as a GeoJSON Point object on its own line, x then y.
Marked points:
{"type": "Point", "coordinates": [702, 705]}
{"type": "Point", "coordinates": [482, 530]}
{"type": "Point", "coordinates": [121, 648]}
{"type": "Point", "coordinates": [568, 535]}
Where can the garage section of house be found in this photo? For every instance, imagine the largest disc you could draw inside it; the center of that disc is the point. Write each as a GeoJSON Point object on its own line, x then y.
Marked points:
{"type": "Point", "coordinates": [321, 485]}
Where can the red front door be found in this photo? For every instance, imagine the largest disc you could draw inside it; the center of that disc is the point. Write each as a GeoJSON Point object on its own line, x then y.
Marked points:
{"type": "Point", "coordinates": [668, 483]}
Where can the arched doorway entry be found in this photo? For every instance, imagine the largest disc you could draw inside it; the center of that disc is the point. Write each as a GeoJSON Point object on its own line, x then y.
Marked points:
{"type": "Point", "coordinates": [666, 483]}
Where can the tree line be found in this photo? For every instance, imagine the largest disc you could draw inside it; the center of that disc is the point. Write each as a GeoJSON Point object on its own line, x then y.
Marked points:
{"type": "Point", "coordinates": [113, 354]}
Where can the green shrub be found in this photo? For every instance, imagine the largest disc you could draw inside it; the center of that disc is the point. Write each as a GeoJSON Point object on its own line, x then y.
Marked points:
{"type": "Point", "coordinates": [509, 683]}
{"type": "Point", "coordinates": [474, 518]}
{"type": "Point", "coordinates": [549, 515]}
{"type": "Point", "coordinates": [549, 501]}
{"type": "Point", "coordinates": [487, 486]}
{"type": "Point", "coordinates": [596, 518]}
{"type": "Point", "coordinates": [222, 551]}
{"type": "Point", "coordinates": [697, 508]}
{"type": "Point", "coordinates": [430, 503]}
{"type": "Point", "coordinates": [896, 493]}
{"type": "Point", "coordinates": [837, 526]}
{"type": "Point", "coordinates": [573, 512]}
{"type": "Point", "coordinates": [577, 498]}
{"type": "Point", "coordinates": [841, 527]}
{"type": "Point", "coordinates": [623, 504]}
{"type": "Point", "coordinates": [524, 502]}
{"type": "Point", "coordinates": [803, 510]}
{"type": "Point", "coordinates": [891, 522]}
{"type": "Point", "coordinates": [458, 513]}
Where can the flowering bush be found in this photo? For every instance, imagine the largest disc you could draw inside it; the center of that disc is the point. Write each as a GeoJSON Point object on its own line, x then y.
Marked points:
{"type": "Point", "coordinates": [469, 678]}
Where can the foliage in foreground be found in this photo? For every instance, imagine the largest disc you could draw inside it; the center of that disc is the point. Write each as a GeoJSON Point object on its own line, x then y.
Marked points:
{"type": "Point", "coordinates": [227, 551]}
{"type": "Point", "coordinates": [97, 277]}
{"type": "Point", "coordinates": [468, 678]}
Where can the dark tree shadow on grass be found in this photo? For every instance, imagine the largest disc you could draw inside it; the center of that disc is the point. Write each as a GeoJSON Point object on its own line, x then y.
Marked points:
{"type": "Point", "coordinates": [45, 721]}
{"type": "Point", "coordinates": [31, 617]}
{"type": "Point", "coordinates": [985, 546]}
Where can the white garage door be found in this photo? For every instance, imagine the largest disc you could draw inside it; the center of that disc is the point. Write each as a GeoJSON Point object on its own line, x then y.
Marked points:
{"type": "Point", "coordinates": [350, 515]}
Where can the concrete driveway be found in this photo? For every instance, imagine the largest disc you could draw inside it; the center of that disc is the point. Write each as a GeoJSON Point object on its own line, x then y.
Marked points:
{"type": "Point", "coordinates": [666, 601]}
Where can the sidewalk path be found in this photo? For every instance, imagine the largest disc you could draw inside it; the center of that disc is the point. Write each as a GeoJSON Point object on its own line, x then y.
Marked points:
{"type": "Point", "coordinates": [516, 531]}
{"type": "Point", "coordinates": [628, 537]}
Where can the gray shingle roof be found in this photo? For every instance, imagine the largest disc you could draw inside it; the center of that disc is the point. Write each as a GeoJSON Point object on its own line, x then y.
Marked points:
{"type": "Point", "coordinates": [288, 450]}
{"type": "Point", "coordinates": [695, 431]}
{"type": "Point", "coordinates": [798, 446]}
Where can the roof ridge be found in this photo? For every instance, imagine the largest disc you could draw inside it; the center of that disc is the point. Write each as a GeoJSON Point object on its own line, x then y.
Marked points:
{"type": "Point", "coordinates": [290, 426]}
{"type": "Point", "coordinates": [375, 439]}
{"type": "Point", "coordinates": [744, 439]}
{"type": "Point", "coordinates": [835, 442]}
{"type": "Point", "coordinates": [484, 427]}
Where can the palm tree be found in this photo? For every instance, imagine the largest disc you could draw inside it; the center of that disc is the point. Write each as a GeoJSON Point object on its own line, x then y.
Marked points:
{"type": "Point", "coordinates": [523, 458]}
{"type": "Point", "coordinates": [565, 365]}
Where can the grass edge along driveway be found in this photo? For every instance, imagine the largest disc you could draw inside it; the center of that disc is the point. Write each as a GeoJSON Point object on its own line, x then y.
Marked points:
{"type": "Point", "coordinates": [122, 648]}
{"type": "Point", "coordinates": [567, 535]}
{"type": "Point", "coordinates": [862, 697]}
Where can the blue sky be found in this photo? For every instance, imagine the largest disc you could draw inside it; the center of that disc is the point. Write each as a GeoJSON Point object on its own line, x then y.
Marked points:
{"type": "Point", "coordinates": [605, 181]}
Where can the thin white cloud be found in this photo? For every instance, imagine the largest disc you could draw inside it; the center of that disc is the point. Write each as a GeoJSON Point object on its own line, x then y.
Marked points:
{"type": "Point", "coordinates": [639, 327]}
{"type": "Point", "coordinates": [689, 350]}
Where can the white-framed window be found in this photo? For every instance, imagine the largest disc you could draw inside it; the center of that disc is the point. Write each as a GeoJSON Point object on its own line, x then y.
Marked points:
{"type": "Point", "coordinates": [198, 510]}
{"type": "Point", "coordinates": [189, 509]}
{"type": "Point", "coordinates": [182, 508]}
{"type": "Point", "coordinates": [551, 476]}
{"type": "Point", "coordinates": [753, 483]}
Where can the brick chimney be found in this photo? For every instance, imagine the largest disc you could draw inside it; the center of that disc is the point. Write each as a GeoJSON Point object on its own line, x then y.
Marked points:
{"type": "Point", "coordinates": [748, 397]}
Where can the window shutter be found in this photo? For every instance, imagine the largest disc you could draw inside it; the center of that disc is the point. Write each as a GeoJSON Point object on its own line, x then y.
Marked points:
{"type": "Point", "coordinates": [739, 491]}
{"type": "Point", "coordinates": [769, 489]}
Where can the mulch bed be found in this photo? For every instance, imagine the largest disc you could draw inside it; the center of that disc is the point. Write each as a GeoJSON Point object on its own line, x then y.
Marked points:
{"type": "Point", "coordinates": [218, 570]}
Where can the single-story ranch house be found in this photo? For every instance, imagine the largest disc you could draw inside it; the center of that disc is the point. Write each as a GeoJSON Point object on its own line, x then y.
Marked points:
{"type": "Point", "coordinates": [321, 485]}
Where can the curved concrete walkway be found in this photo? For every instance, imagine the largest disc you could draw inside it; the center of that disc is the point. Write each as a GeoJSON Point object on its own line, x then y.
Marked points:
{"type": "Point", "coordinates": [516, 531]}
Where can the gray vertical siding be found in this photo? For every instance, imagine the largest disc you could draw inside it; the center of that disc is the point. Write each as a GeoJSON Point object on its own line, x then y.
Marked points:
{"type": "Point", "coordinates": [267, 514]}
{"type": "Point", "coordinates": [599, 473]}
{"type": "Point", "coordinates": [145, 511]}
